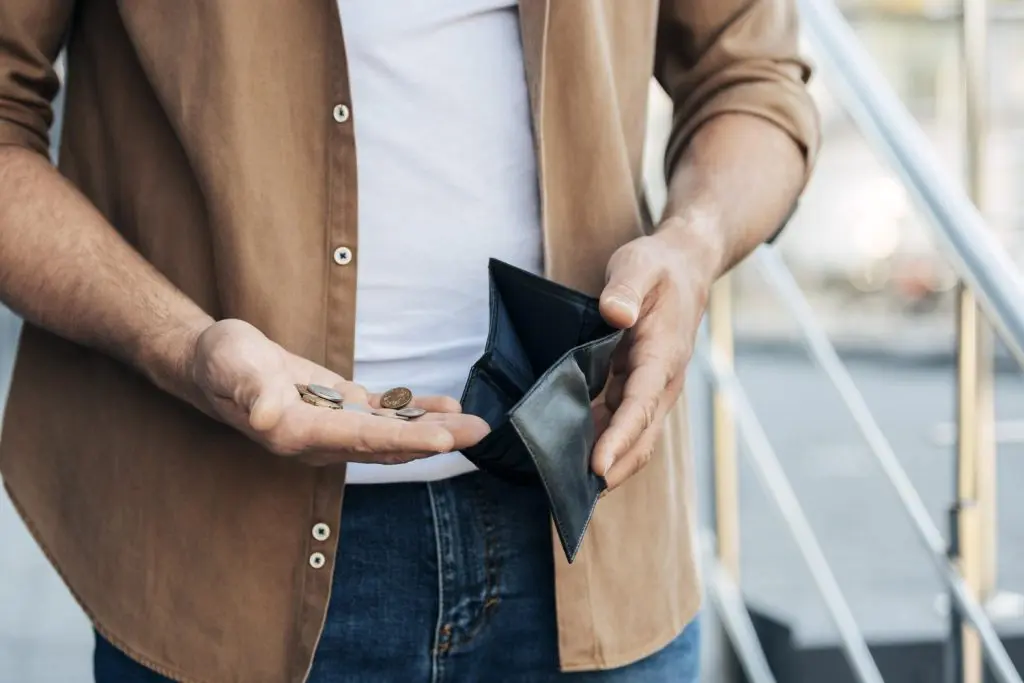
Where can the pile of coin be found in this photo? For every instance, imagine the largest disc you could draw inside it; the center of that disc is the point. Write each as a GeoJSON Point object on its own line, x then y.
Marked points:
{"type": "Point", "coordinates": [319, 395]}
{"type": "Point", "coordinates": [394, 403]}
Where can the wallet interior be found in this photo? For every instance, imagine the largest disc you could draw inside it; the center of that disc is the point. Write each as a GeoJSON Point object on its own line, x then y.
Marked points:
{"type": "Point", "coordinates": [547, 357]}
{"type": "Point", "coordinates": [534, 322]}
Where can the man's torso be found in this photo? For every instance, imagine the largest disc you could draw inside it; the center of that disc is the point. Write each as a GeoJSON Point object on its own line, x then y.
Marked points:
{"type": "Point", "coordinates": [206, 133]}
{"type": "Point", "coordinates": [446, 179]}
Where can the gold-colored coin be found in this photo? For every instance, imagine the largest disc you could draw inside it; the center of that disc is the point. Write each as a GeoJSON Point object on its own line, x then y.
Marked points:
{"type": "Point", "coordinates": [396, 399]}
{"type": "Point", "coordinates": [314, 400]}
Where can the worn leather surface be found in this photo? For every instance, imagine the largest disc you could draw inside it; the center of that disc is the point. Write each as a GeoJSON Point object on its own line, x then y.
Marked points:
{"type": "Point", "coordinates": [547, 357]}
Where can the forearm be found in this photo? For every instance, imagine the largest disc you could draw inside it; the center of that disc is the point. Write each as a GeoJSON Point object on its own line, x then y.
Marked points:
{"type": "Point", "coordinates": [64, 268]}
{"type": "Point", "coordinates": [731, 190]}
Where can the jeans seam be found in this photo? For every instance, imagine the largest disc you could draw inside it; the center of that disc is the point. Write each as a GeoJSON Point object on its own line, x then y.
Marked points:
{"type": "Point", "coordinates": [436, 650]}
{"type": "Point", "coordinates": [491, 565]}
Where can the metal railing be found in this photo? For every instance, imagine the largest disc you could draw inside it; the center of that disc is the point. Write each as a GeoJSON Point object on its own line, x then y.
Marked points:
{"type": "Point", "coordinates": [990, 285]}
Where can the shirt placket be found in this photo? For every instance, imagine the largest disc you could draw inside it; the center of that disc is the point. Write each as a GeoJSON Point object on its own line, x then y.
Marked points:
{"type": "Point", "coordinates": [341, 260]}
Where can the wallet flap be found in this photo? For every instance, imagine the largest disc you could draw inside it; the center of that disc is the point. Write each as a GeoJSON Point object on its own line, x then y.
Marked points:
{"type": "Point", "coordinates": [556, 425]}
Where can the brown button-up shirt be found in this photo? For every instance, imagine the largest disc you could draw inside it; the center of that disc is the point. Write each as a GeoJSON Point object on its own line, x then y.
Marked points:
{"type": "Point", "coordinates": [207, 133]}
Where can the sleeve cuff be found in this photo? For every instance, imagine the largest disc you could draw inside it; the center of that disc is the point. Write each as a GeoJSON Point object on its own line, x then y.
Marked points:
{"type": "Point", "coordinates": [782, 103]}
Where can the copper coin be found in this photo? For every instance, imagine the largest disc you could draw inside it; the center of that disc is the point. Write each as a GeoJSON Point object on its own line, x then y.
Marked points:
{"type": "Point", "coordinates": [411, 413]}
{"type": "Point", "coordinates": [396, 399]}
{"type": "Point", "coordinates": [326, 393]}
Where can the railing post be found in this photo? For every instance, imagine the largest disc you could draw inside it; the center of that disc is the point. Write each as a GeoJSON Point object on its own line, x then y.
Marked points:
{"type": "Point", "coordinates": [723, 435]}
{"type": "Point", "coordinates": [725, 479]}
{"type": "Point", "coordinates": [974, 539]}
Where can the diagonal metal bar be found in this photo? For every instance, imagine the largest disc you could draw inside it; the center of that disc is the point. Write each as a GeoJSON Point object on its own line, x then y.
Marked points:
{"type": "Point", "coordinates": [817, 342]}
{"type": "Point", "coordinates": [770, 471]}
{"type": "Point", "coordinates": [974, 253]}
{"type": "Point", "coordinates": [734, 615]}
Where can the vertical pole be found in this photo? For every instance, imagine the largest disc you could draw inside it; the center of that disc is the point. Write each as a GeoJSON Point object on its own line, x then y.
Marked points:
{"type": "Point", "coordinates": [967, 518]}
{"type": "Point", "coordinates": [975, 457]}
{"type": "Point", "coordinates": [723, 435]}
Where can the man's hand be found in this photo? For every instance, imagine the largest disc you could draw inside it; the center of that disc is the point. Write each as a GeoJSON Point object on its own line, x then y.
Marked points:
{"type": "Point", "coordinates": [722, 202]}
{"type": "Point", "coordinates": [248, 381]}
{"type": "Point", "coordinates": [657, 288]}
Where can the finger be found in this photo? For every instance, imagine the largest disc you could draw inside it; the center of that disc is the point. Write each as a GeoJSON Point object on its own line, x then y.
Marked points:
{"type": "Point", "coordinates": [637, 412]}
{"type": "Point", "coordinates": [602, 416]}
{"type": "Point", "coordinates": [431, 404]}
{"type": "Point", "coordinates": [630, 281]}
{"type": "Point", "coordinates": [352, 392]}
{"type": "Point", "coordinates": [319, 429]}
{"type": "Point", "coordinates": [437, 404]}
{"type": "Point", "coordinates": [324, 458]}
{"type": "Point", "coordinates": [635, 459]}
{"type": "Point", "coordinates": [613, 391]}
{"type": "Point", "coordinates": [467, 430]}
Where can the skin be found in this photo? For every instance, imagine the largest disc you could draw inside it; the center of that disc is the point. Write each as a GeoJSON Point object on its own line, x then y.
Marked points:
{"type": "Point", "coordinates": [732, 188]}
{"type": "Point", "coordinates": [63, 267]}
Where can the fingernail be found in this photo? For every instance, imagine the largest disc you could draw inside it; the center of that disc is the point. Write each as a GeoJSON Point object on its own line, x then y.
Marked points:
{"type": "Point", "coordinates": [625, 304]}
{"type": "Point", "coordinates": [608, 462]}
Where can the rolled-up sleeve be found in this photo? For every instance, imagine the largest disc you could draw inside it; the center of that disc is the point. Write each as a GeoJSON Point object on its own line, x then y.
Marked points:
{"type": "Point", "coordinates": [734, 56]}
{"type": "Point", "coordinates": [31, 34]}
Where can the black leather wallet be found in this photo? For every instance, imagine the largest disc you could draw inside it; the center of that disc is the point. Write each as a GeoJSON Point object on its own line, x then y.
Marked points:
{"type": "Point", "coordinates": [547, 357]}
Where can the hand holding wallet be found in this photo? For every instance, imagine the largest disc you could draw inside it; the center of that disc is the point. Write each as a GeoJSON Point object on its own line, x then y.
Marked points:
{"type": "Point", "coordinates": [547, 357]}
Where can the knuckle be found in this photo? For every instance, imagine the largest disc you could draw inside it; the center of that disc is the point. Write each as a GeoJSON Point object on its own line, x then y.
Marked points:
{"type": "Point", "coordinates": [642, 459]}
{"type": "Point", "coordinates": [648, 411]}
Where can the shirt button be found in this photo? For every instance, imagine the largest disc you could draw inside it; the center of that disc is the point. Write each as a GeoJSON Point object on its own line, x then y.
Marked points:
{"type": "Point", "coordinates": [317, 560]}
{"type": "Point", "coordinates": [342, 256]}
{"type": "Point", "coordinates": [341, 113]}
{"type": "Point", "coordinates": [321, 531]}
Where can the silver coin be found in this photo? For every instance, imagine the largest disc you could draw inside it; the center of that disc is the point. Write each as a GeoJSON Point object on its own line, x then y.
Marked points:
{"type": "Point", "coordinates": [326, 393]}
{"type": "Point", "coordinates": [411, 413]}
{"type": "Point", "coordinates": [388, 413]}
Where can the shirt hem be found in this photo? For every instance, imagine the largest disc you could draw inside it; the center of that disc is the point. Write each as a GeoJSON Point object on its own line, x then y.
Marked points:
{"type": "Point", "coordinates": [633, 655]}
{"type": "Point", "coordinates": [96, 623]}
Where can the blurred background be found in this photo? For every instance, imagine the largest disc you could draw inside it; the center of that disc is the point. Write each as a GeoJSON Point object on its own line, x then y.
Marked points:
{"type": "Point", "coordinates": [865, 258]}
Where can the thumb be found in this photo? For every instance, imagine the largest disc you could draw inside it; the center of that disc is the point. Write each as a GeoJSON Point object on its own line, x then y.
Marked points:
{"type": "Point", "coordinates": [623, 295]}
{"type": "Point", "coordinates": [267, 404]}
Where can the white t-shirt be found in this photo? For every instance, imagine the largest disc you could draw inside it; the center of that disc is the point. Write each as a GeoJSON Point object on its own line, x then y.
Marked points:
{"type": "Point", "coordinates": [447, 178]}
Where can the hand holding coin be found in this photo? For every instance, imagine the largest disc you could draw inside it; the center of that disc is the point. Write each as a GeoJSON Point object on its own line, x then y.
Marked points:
{"type": "Point", "coordinates": [242, 378]}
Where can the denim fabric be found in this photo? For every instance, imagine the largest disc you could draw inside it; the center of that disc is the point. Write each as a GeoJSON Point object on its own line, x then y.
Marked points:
{"type": "Point", "coordinates": [449, 581]}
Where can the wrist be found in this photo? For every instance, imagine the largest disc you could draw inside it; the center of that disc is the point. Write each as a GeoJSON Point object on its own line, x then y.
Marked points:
{"type": "Point", "coordinates": [168, 358]}
{"type": "Point", "coordinates": [698, 239]}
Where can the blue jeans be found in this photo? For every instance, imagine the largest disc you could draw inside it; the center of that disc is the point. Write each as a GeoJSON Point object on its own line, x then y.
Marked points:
{"type": "Point", "coordinates": [449, 581]}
